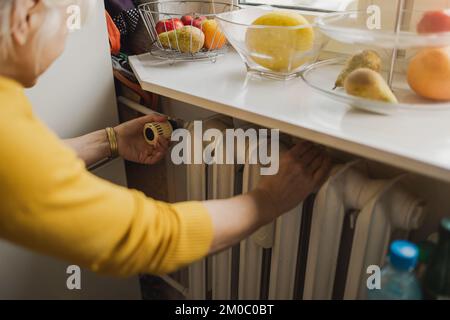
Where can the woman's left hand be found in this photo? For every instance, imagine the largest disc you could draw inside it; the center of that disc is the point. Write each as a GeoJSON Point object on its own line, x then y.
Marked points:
{"type": "Point", "coordinates": [132, 145]}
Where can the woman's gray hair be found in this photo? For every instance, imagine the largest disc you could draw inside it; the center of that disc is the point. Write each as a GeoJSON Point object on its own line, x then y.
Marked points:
{"type": "Point", "coordinates": [52, 20]}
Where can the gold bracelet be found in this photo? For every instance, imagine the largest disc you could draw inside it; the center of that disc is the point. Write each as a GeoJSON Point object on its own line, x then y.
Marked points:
{"type": "Point", "coordinates": [114, 147]}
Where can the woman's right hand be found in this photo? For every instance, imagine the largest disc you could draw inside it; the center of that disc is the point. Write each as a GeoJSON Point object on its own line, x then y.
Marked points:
{"type": "Point", "coordinates": [303, 170]}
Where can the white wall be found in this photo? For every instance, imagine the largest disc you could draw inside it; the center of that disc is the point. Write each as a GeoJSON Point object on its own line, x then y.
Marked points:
{"type": "Point", "coordinates": [76, 96]}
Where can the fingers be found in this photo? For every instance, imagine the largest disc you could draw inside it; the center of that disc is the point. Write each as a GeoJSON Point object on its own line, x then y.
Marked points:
{"type": "Point", "coordinates": [308, 158]}
{"type": "Point", "coordinates": [317, 162]}
{"type": "Point", "coordinates": [162, 144]}
{"type": "Point", "coordinates": [151, 118]}
{"type": "Point", "coordinates": [154, 158]}
{"type": "Point", "coordinates": [312, 160]}
{"type": "Point", "coordinates": [150, 160]}
{"type": "Point", "coordinates": [157, 152]}
{"type": "Point", "coordinates": [322, 173]}
{"type": "Point", "coordinates": [299, 149]}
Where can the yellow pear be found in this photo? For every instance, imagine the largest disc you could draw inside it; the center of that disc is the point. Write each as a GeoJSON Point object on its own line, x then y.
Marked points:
{"type": "Point", "coordinates": [365, 59]}
{"type": "Point", "coordinates": [187, 39]}
{"type": "Point", "coordinates": [165, 37]}
{"type": "Point", "coordinates": [369, 84]}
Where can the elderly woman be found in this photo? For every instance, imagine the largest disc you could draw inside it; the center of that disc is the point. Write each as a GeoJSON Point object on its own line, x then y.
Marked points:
{"type": "Point", "coordinates": [51, 204]}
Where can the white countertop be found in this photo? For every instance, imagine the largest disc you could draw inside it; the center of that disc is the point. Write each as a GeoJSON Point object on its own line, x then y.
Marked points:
{"type": "Point", "coordinates": [415, 141]}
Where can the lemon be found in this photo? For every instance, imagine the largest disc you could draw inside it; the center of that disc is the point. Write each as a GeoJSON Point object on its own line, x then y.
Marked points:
{"type": "Point", "coordinates": [280, 49]}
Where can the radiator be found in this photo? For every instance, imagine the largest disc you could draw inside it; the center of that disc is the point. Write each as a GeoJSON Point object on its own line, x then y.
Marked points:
{"type": "Point", "coordinates": [352, 223]}
{"type": "Point", "coordinates": [319, 250]}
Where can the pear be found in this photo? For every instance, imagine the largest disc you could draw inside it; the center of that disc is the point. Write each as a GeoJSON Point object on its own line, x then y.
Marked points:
{"type": "Point", "coordinates": [165, 37]}
{"type": "Point", "coordinates": [187, 39]}
{"type": "Point", "coordinates": [365, 59]}
{"type": "Point", "coordinates": [369, 84]}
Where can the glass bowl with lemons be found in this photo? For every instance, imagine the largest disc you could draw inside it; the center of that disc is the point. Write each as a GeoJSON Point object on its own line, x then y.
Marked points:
{"type": "Point", "coordinates": [272, 42]}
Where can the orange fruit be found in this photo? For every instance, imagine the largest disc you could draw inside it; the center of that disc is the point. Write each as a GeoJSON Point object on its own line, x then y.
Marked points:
{"type": "Point", "coordinates": [429, 73]}
{"type": "Point", "coordinates": [214, 38]}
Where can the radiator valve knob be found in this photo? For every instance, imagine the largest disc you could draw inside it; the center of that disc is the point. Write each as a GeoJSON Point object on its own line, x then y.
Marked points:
{"type": "Point", "coordinates": [154, 130]}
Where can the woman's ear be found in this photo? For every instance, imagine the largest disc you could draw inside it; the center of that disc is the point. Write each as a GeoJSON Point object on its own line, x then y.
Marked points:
{"type": "Point", "coordinates": [20, 20]}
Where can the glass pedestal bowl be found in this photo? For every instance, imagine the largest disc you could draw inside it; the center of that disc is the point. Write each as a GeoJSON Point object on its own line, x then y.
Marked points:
{"type": "Point", "coordinates": [273, 51]}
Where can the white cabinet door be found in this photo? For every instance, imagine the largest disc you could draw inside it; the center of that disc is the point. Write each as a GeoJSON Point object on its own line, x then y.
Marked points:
{"type": "Point", "coordinates": [75, 97]}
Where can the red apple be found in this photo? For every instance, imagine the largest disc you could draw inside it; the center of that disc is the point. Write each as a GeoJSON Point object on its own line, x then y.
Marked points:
{"type": "Point", "coordinates": [434, 22]}
{"type": "Point", "coordinates": [198, 22]}
{"type": "Point", "coordinates": [187, 20]}
{"type": "Point", "coordinates": [168, 25]}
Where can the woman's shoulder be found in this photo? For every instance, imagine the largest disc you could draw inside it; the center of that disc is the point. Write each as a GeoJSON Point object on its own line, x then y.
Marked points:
{"type": "Point", "coordinates": [24, 136]}
{"type": "Point", "coordinates": [14, 103]}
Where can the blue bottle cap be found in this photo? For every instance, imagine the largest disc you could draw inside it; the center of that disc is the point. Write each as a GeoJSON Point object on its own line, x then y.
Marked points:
{"type": "Point", "coordinates": [403, 255]}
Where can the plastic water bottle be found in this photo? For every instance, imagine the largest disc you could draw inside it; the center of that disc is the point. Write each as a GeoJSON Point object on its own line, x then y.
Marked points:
{"type": "Point", "coordinates": [398, 281]}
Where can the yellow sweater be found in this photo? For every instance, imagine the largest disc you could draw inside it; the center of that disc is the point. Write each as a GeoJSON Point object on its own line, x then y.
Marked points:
{"type": "Point", "coordinates": [51, 204]}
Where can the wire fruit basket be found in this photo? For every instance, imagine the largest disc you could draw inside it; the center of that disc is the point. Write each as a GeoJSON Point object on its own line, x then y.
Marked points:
{"type": "Point", "coordinates": [185, 30]}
